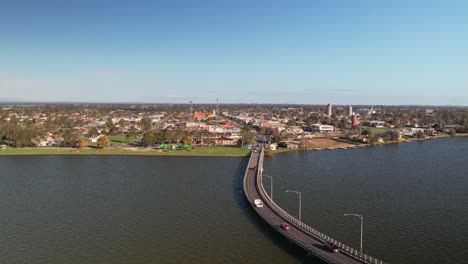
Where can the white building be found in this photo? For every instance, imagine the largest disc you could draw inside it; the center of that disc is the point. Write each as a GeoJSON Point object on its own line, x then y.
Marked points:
{"type": "Point", "coordinates": [322, 128]}
{"type": "Point", "coordinates": [376, 123]}
{"type": "Point", "coordinates": [411, 131]}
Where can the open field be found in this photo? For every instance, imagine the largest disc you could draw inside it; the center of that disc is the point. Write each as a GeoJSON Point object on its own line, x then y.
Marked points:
{"type": "Point", "coordinates": [214, 151]}
{"type": "Point", "coordinates": [375, 130]}
{"type": "Point", "coordinates": [328, 143]}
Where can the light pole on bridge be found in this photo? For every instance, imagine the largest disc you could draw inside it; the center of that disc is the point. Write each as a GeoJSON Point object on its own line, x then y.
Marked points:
{"type": "Point", "coordinates": [362, 221]}
{"type": "Point", "coordinates": [300, 203]}
{"type": "Point", "coordinates": [271, 185]}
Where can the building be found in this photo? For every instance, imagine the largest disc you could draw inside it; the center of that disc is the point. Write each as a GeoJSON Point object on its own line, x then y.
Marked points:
{"type": "Point", "coordinates": [322, 128]}
{"type": "Point", "coordinates": [377, 123]}
{"type": "Point", "coordinates": [203, 115]}
{"type": "Point", "coordinates": [329, 110]}
{"type": "Point", "coordinates": [354, 121]}
{"type": "Point", "coordinates": [411, 131]}
{"type": "Point", "coordinates": [292, 145]}
{"type": "Point", "coordinates": [225, 141]}
{"type": "Point", "coordinates": [273, 146]}
{"type": "Point", "coordinates": [350, 110]}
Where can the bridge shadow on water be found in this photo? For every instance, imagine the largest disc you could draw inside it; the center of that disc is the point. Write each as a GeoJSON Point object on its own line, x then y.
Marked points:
{"type": "Point", "coordinates": [278, 240]}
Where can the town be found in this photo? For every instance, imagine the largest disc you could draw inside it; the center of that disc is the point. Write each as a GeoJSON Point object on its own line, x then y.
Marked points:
{"type": "Point", "coordinates": [166, 127]}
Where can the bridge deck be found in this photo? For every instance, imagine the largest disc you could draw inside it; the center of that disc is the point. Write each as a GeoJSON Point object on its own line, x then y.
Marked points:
{"type": "Point", "coordinates": [300, 234]}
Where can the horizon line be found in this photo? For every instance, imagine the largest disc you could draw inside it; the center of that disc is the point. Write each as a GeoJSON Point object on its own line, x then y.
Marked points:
{"type": "Point", "coordinates": [205, 103]}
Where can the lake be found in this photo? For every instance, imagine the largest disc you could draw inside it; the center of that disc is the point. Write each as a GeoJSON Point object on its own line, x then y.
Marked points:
{"type": "Point", "coordinates": [134, 209]}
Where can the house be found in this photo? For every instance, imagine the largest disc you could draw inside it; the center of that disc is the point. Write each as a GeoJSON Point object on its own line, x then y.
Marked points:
{"type": "Point", "coordinates": [227, 125]}
{"type": "Point", "coordinates": [203, 115]}
{"type": "Point", "coordinates": [411, 131]}
{"type": "Point", "coordinates": [270, 124]}
{"type": "Point", "coordinates": [273, 146]}
{"type": "Point", "coordinates": [225, 141]}
{"type": "Point", "coordinates": [94, 139]}
{"type": "Point", "coordinates": [51, 140]}
{"type": "Point", "coordinates": [295, 130]}
{"type": "Point", "coordinates": [292, 145]}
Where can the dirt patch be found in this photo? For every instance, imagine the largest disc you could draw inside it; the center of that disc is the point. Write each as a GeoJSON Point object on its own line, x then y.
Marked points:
{"type": "Point", "coordinates": [328, 143]}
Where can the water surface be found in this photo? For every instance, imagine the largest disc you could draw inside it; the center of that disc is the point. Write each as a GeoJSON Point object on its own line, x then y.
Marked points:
{"type": "Point", "coordinates": [414, 197]}
{"type": "Point", "coordinates": [117, 209]}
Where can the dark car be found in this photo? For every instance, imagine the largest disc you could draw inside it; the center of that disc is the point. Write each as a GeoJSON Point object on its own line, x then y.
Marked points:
{"type": "Point", "coordinates": [285, 227]}
{"type": "Point", "coordinates": [332, 247]}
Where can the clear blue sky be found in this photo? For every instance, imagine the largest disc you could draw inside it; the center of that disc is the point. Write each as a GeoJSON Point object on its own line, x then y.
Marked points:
{"type": "Point", "coordinates": [342, 52]}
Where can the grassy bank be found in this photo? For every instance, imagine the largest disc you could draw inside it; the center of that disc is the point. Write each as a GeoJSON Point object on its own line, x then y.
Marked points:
{"type": "Point", "coordinates": [214, 151]}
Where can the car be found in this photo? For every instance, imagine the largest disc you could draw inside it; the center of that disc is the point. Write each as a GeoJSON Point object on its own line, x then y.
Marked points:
{"type": "Point", "coordinates": [330, 246]}
{"type": "Point", "coordinates": [285, 227]}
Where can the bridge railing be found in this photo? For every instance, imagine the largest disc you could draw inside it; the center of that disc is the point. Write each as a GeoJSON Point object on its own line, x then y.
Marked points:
{"type": "Point", "coordinates": [356, 254]}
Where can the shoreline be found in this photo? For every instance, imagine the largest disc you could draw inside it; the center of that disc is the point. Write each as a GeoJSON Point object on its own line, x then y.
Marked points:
{"type": "Point", "coordinates": [363, 145]}
{"type": "Point", "coordinates": [197, 152]}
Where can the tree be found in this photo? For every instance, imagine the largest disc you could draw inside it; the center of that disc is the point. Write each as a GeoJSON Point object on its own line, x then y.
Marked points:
{"type": "Point", "coordinates": [131, 134]}
{"type": "Point", "coordinates": [291, 122]}
{"type": "Point", "coordinates": [19, 136]}
{"type": "Point", "coordinates": [113, 131]}
{"type": "Point", "coordinates": [420, 134]}
{"type": "Point", "coordinates": [93, 132]}
{"type": "Point", "coordinates": [276, 137]}
{"type": "Point", "coordinates": [397, 121]}
{"type": "Point", "coordinates": [247, 135]}
{"type": "Point", "coordinates": [148, 138]}
{"type": "Point", "coordinates": [103, 141]}
{"type": "Point", "coordinates": [70, 138]}
{"type": "Point", "coordinates": [210, 139]}
{"type": "Point", "coordinates": [452, 132]}
{"type": "Point", "coordinates": [122, 122]}
{"type": "Point", "coordinates": [109, 123]}
{"type": "Point", "coordinates": [187, 140]}
{"type": "Point", "coordinates": [82, 142]}
{"type": "Point", "coordinates": [145, 124]}
{"type": "Point", "coordinates": [395, 136]}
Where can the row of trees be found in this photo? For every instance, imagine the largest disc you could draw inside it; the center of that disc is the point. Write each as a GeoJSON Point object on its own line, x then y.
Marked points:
{"type": "Point", "coordinates": [20, 136]}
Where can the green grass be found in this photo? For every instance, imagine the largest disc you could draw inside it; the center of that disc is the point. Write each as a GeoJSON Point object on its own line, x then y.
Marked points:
{"type": "Point", "coordinates": [118, 140]}
{"type": "Point", "coordinates": [215, 151]}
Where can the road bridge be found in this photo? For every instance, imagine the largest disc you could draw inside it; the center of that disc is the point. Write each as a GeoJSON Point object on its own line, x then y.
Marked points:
{"type": "Point", "coordinates": [306, 237]}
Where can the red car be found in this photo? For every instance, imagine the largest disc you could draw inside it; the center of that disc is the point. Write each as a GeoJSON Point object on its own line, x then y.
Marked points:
{"type": "Point", "coordinates": [285, 227]}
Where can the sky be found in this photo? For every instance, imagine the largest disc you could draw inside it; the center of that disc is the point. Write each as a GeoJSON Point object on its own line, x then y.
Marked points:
{"type": "Point", "coordinates": [298, 52]}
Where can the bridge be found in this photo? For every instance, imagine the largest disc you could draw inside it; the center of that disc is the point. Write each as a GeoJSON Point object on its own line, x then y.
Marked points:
{"type": "Point", "coordinates": [306, 237]}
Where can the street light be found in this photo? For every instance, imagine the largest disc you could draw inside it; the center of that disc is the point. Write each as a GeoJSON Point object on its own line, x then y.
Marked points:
{"type": "Point", "coordinates": [271, 185]}
{"type": "Point", "coordinates": [300, 198]}
{"type": "Point", "coordinates": [362, 220]}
